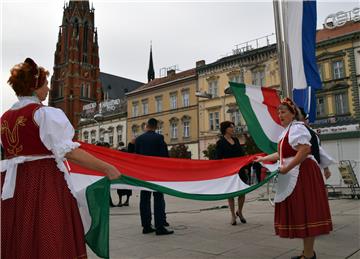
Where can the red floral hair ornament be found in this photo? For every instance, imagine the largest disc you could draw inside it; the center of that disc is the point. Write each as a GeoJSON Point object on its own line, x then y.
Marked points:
{"type": "Point", "coordinates": [289, 104]}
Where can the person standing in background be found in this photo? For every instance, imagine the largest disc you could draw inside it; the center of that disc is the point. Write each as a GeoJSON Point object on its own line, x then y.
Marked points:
{"type": "Point", "coordinates": [229, 146]}
{"type": "Point", "coordinates": [151, 143]}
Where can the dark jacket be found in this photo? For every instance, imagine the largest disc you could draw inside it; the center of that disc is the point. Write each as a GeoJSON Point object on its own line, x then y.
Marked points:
{"type": "Point", "coordinates": [151, 144]}
{"type": "Point", "coordinates": [225, 150]}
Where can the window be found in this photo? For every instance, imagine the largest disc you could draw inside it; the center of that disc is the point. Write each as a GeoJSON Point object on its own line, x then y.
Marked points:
{"type": "Point", "coordinates": [86, 136]}
{"type": "Point", "coordinates": [213, 88]}
{"type": "Point", "coordinates": [259, 78]}
{"type": "Point", "coordinates": [93, 136]}
{"type": "Point", "coordinates": [61, 90]}
{"type": "Point", "coordinates": [214, 120]}
{"type": "Point", "coordinates": [185, 97]}
{"type": "Point", "coordinates": [174, 130]}
{"type": "Point", "coordinates": [111, 138]}
{"type": "Point", "coordinates": [321, 72]}
{"type": "Point", "coordinates": [186, 131]}
{"type": "Point", "coordinates": [119, 133]}
{"type": "Point", "coordinates": [236, 117]}
{"type": "Point", "coordinates": [338, 69]}
{"type": "Point", "coordinates": [134, 130]}
{"type": "Point", "coordinates": [145, 106]}
{"type": "Point", "coordinates": [235, 78]}
{"type": "Point", "coordinates": [158, 101]}
{"type": "Point", "coordinates": [135, 109]}
{"type": "Point", "coordinates": [82, 90]}
{"type": "Point", "coordinates": [88, 91]}
{"type": "Point", "coordinates": [102, 135]}
{"type": "Point", "coordinates": [341, 103]}
{"type": "Point", "coordinates": [173, 101]}
{"type": "Point", "coordinates": [320, 106]}
{"type": "Point", "coordinates": [159, 129]}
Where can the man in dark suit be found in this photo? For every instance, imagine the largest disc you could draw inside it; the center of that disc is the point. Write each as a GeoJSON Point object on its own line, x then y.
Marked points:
{"type": "Point", "coordinates": [152, 144]}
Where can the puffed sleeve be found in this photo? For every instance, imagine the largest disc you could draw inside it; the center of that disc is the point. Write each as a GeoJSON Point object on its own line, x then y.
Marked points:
{"type": "Point", "coordinates": [299, 134]}
{"type": "Point", "coordinates": [325, 159]}
{"type": "Point", "coordinates": [56, 131]}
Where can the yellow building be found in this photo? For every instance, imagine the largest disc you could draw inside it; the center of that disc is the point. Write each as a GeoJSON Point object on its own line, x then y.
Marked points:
{"type": "Point", "coordinates": [338, 100]}
{"type": "Point", "coordinates": [255, 66]}
{"type": "Point", "coordinates": [172, 101]}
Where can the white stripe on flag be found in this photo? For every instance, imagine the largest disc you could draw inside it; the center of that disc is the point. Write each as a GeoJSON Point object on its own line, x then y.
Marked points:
{"type": "Point", "coordinates": [294, 20]}
{"type": "Point", "coordinates": [271, 129]}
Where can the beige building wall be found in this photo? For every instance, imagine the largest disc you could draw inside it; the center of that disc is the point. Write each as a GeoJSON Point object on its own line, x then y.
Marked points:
{"type": "Point", "coordinates": [221, 107]}
{"type": "Point", "coordinates": [184, 116]}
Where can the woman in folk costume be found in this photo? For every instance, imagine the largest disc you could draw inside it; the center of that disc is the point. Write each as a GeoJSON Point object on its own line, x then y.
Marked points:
{"type": "Point", "coordinates": [39, 215]}
{"type": "Point", "coordinates": [301, 203]}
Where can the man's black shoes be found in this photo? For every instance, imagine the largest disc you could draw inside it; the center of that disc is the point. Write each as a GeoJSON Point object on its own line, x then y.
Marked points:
{"type": "Point", "coordinates": [166, 224]}
{"type": "Point", "coordinates": [163, 231]}
{"type": "Point", "coordinates": [148, 230]}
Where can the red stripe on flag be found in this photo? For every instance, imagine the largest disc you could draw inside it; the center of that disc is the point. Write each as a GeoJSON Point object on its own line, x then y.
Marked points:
{"type": "Point", "coordinates": [272, 102]}
{"type": "Point", "coordinates": [149, 168]}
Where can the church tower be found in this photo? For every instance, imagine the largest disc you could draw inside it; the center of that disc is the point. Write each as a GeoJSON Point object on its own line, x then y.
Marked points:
{"type": "Point", "coordinates": [75, 81]}
{"type": "Point", "coordinates": [151, 72]}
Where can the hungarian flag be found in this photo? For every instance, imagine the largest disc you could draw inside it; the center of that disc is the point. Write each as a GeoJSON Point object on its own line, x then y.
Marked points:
{"type": "Point", "coordinates": [258, 105]}
{"type": "Point", "coordinates": [190, 179]}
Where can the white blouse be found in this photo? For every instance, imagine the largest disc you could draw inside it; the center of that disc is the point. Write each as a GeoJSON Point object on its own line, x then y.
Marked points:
{"type": "Point", "coordinates": [56, 133]}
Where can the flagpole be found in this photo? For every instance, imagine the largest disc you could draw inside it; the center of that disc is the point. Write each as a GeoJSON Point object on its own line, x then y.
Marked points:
{"type": "Point", "coordinates": [282, 48]}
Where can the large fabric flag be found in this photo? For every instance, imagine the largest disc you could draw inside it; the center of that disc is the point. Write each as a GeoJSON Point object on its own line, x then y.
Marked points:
{"type": "Point", "coordinates": [300, 37]}
{"type": "Point", "coordinates": [191, 179]}
{"type": "Point", "coordinates": [258, 105]}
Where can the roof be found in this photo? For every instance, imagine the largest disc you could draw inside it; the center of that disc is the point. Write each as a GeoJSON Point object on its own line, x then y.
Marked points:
{"type": "Point", "coordinates": [164, 80]}
{"type": "Point", "coordinates": [328, 34]}
{"type": "Point", "coordinates": [117, 86]}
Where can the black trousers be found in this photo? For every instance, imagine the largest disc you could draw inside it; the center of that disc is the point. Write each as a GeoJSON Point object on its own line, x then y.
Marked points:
{"type": "Point", "coordinates": [145, 209]}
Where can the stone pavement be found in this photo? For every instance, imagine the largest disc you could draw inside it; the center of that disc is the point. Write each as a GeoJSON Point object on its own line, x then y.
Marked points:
{"type": "Point", "coordinates": [203, 230]}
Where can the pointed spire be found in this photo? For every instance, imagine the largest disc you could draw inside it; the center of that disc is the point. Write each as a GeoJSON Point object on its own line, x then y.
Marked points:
{"type": "Point", "coordinates": [151, 72]}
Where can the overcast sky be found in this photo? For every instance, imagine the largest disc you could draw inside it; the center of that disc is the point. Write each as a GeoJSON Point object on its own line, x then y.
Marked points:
{"type": "Point", "coordinates": [181, 32]}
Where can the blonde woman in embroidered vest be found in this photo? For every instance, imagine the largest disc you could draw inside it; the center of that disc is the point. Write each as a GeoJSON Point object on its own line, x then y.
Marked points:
{"type": "Point", "coordinates": [39, 215]}
{"type": "Point", "coordinates": [301, 204]}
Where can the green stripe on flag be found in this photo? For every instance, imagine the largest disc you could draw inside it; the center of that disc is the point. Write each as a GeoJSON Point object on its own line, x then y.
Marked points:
{"type": "Point", "coordinates": [97, 238]}
{"type": "Point", "coordinates": [97, 195]}
{"type": "Point", "coordinates": [254, 126]}
{"type": "Point", "coordinates": [193, 196]}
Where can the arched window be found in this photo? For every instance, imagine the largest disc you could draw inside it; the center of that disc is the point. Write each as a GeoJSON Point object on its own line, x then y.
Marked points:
{"type": "Point", "coordinates": [76, 27]}
{"type": "Point", "coordinates": [102, 135]}
{"type": "Point", "coordinates": [135, 130]}
{"type": "Point", "coordinates": [82, 90]}
{"type": "Point", "coordinates": [85, 42]}
{"type": "Point", "coordinates": [88, 91]}
{"type": "Point", "coordinates": [93, 136]}
{"type": "Point", "coordinates": [174, 127]}
{"type": "Point", "coordinates": [160, 126]}
{"type": "Point", "coordinates": [111, 135]}
{"type": "Point", "coordinates": [186, 126]}
{"type": "Point", "coordinates": [86, 136]}
{"type": "Point", "coordinates": [119, 133]}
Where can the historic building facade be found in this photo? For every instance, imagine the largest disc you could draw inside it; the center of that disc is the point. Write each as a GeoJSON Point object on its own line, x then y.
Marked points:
{"type": "Point", "coordinates": [172, 101]}
{"type": "Point", "coordinates": [338, 109]}
{"type": "Point", "coordinates": [253, 66]}
{"type": "Point", "coordinates": [75, 81]}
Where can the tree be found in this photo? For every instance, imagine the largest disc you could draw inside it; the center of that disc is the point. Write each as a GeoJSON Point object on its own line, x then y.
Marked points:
{"type": "Point", "coordinates": [210, 152]}
{"type": "Point", "coordinates": [180, 151]}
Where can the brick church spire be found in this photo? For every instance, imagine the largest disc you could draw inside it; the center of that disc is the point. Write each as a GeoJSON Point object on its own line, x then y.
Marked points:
{"type": "Point", "coordinates": [75, 81]}
{"type": "Point", "coordinates": [151, 72]}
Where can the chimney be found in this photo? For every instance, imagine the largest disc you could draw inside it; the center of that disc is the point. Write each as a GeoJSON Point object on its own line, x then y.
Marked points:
{"type": "Point", "coordinates": [200, 63]}
{"type": "Point", "coordinates": [171, 72]}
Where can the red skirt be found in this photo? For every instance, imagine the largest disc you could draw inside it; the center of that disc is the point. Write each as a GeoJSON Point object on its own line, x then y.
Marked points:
{"type": "Point", "coordinates": [42, 220]}
{"type": "Point", "coordinates": [306, 212]}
